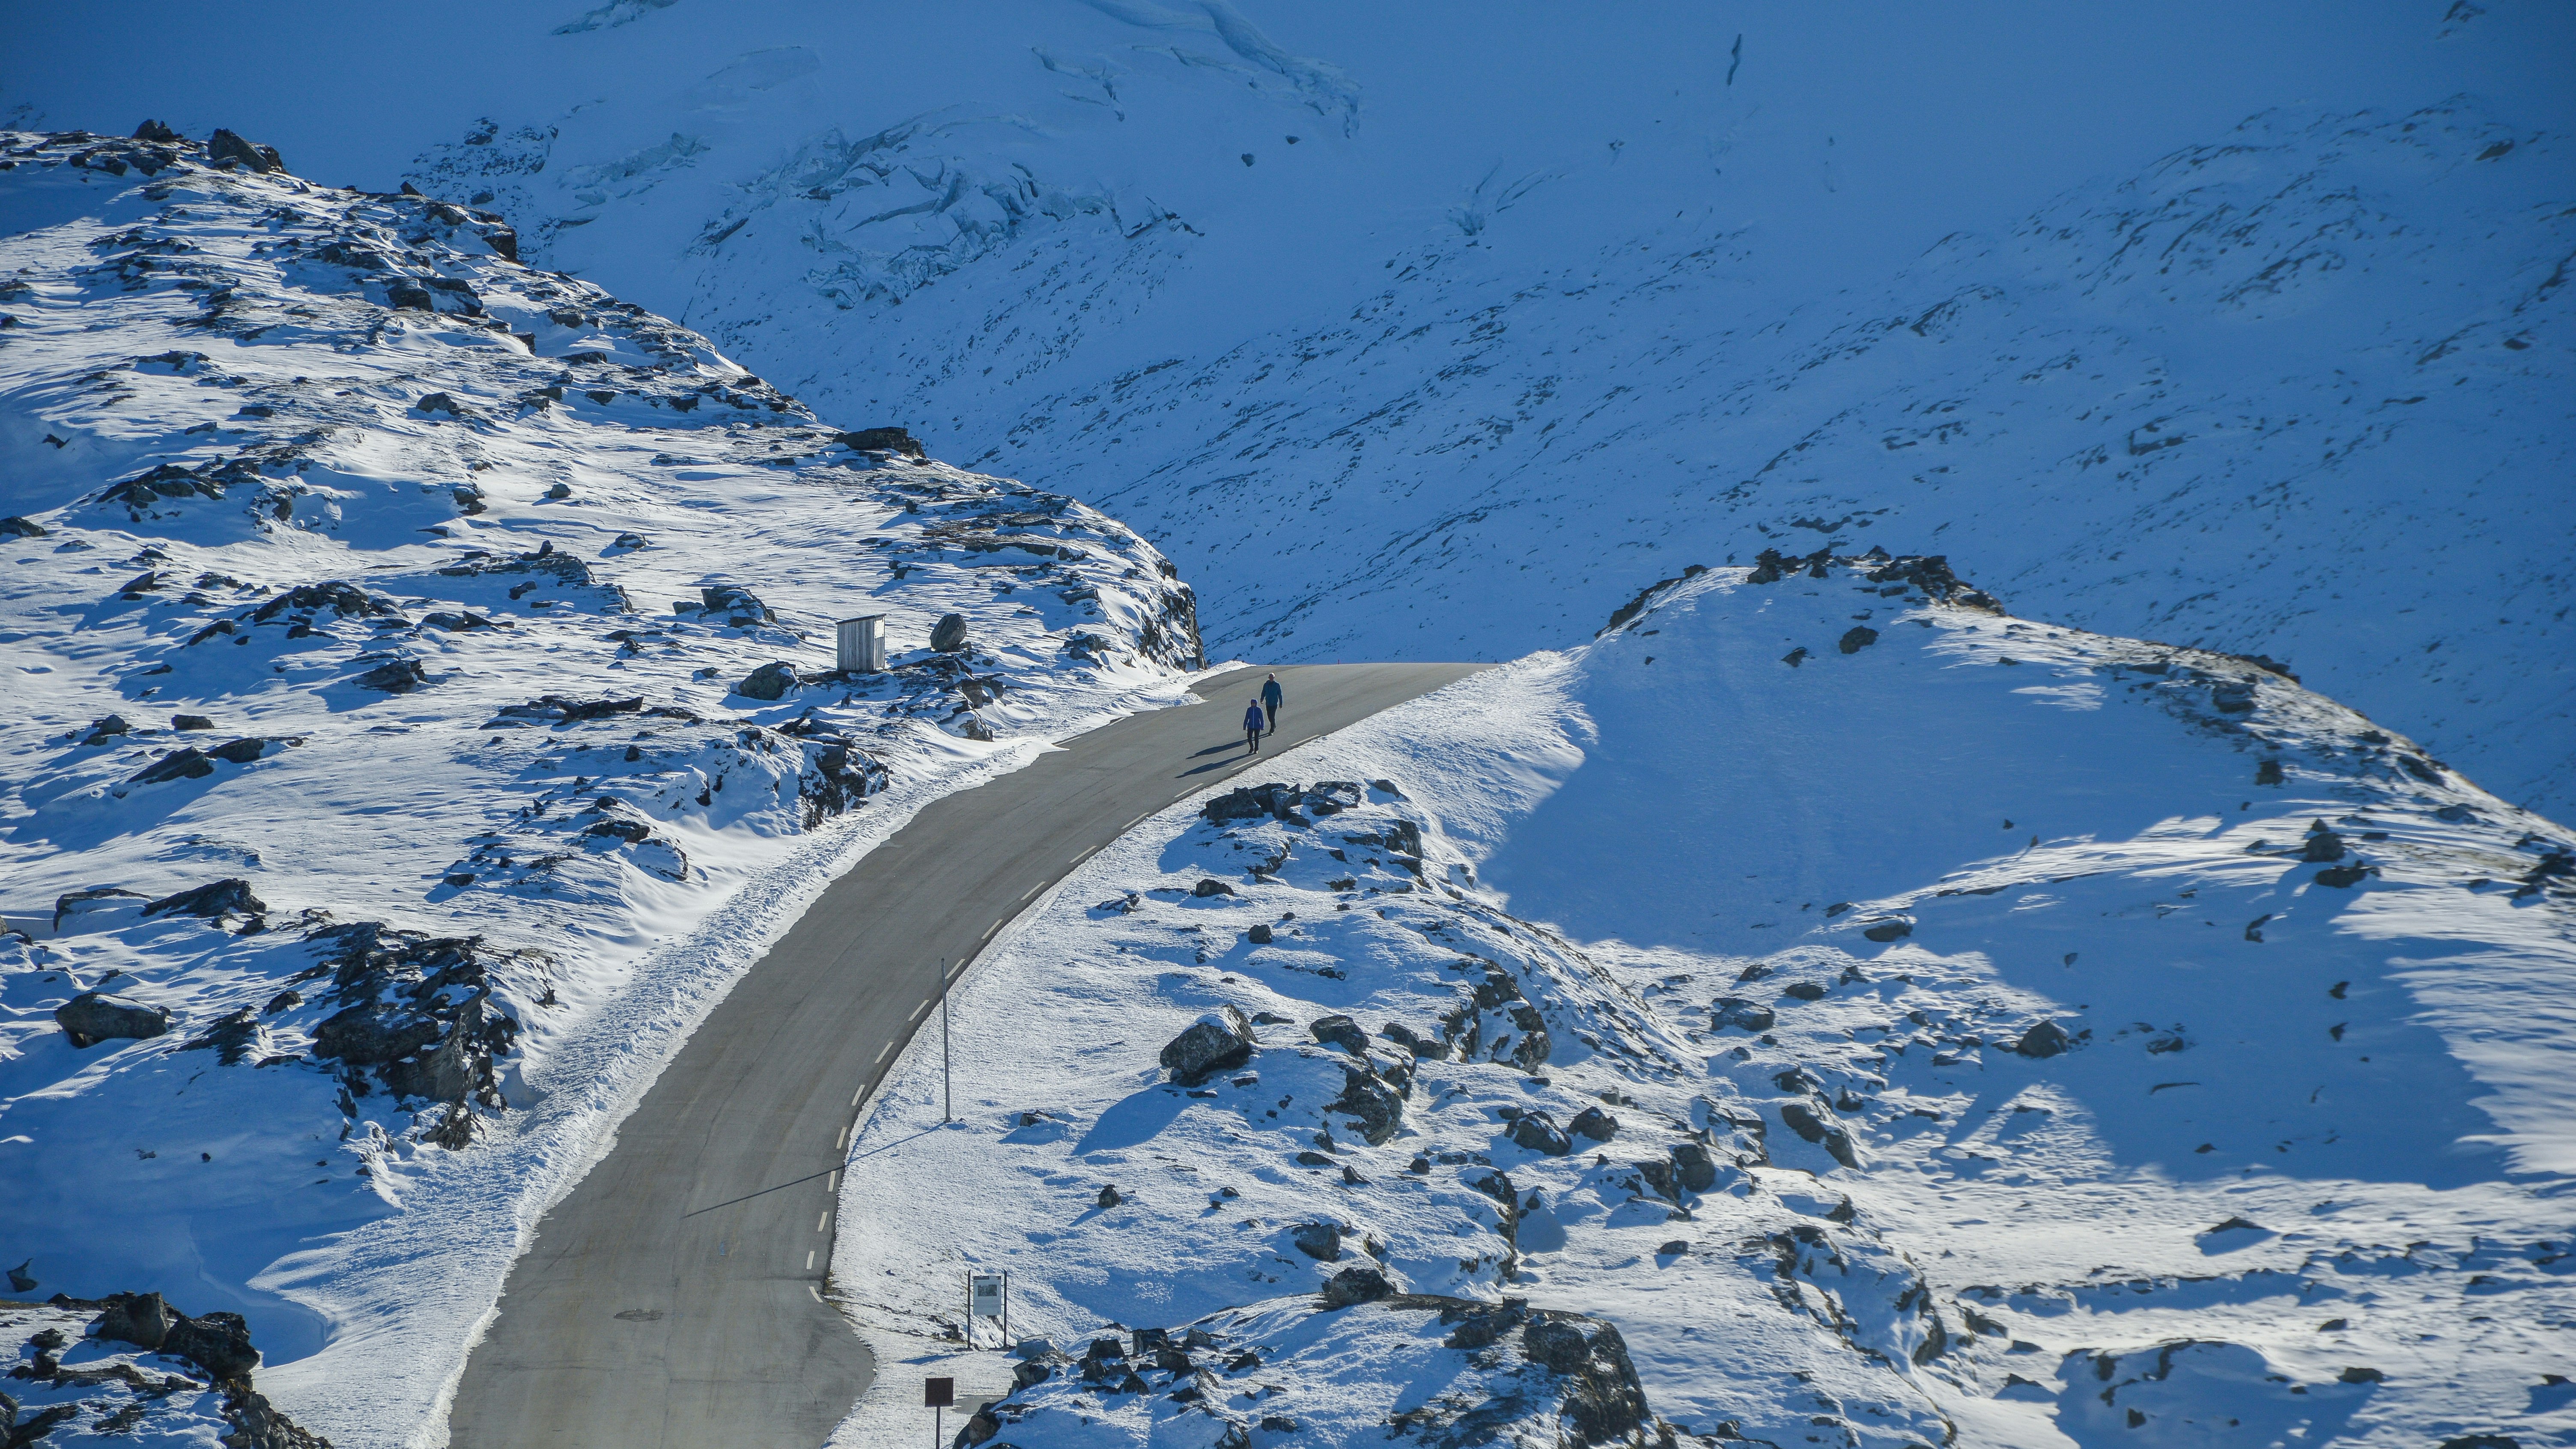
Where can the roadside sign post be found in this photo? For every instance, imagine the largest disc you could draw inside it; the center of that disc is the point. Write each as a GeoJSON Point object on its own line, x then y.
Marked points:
{"type": "Point", "coordinates": [937, 1395]}
{"type": "Point", "coordinates": [988, 1295]}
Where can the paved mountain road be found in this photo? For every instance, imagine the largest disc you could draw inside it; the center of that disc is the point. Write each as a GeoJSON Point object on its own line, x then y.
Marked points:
{"type": "Point", "coordinates": [672, 1298]}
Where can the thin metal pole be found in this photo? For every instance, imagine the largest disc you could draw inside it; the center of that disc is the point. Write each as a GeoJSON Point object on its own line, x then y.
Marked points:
{"type": "Point", "coordinates": [947, 1101]}
{"type": "Point", "coordinates": [938, 1426]}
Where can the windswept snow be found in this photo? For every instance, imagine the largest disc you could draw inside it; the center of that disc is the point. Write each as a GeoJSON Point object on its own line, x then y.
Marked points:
{"type": "Point", "coordinates": [423, 704]}
{"type": "Point", "coordinates": [1945, 1024]}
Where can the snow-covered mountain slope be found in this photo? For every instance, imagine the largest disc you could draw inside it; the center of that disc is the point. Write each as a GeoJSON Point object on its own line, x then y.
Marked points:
{"type": "Point", "coordinates": [422, 701]}
{"type": "Point", "coordinates": [1426, 335]}
{"type": "Point", "coordinates": [1902, 1023]}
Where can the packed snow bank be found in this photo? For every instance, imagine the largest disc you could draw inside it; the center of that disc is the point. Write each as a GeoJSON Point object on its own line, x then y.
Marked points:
{"type": "Point", "coordinates": [423, 703]}
{"type": "Point", "coordinates": [1900, 1021]}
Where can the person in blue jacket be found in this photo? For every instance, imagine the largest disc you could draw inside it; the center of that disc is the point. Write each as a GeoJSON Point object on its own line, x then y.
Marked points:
{"type": "Point", "coordinates": [1270, 700]}
{"type": "Point", "coordinates": [1252, 722]}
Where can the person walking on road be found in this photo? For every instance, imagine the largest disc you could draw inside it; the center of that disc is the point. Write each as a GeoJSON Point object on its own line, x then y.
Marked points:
{"type": "Point", "coordinates": [1252, 720]}
{"type": "Point", "coordinates": [1270, 697]}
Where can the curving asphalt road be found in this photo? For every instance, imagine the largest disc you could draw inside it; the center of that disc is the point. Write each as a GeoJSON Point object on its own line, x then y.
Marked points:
{"type": "Point", "coordinates": [673, 1298]}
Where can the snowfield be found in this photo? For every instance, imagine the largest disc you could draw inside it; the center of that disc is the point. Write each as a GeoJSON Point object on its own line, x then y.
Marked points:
{"type": "Point", "coordinates": [423, 705]}
{"type": "Point", "coordinates": [1901, 1023]}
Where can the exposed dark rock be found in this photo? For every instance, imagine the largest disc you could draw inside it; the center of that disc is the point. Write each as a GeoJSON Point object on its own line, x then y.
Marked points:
{"type": "Point", "coordinates": [224, 146]}
{"type": "Point", "coordinates": [2323, 846]}
{"type": "Point", "coordinates": [1806, 990]}
{"type": "Point", "coordinates": [1209, 886]}
{"type": "Point", "coordinates": [1693, 1167]}
{"type": "Point", "coordinates": [1342, 1032]}
{"type": "Point", "coordinates": [1795, 658]}
{"type": "Point", "coordinates": [1891, 929]}
{"type": "Point", "coordinates": [15, 527]}
{"type": "Point", "coordinates": [191, 722]}
{"type": "Point", "coordinates": [1931, 573]}
{"type": "Point", "coordinates": [1109, 1196]}
{"type": "Point", "coordinates": [1261, 935]}
{"type": "Point", "coordinates": [2343, 875]}
{"type": "Point", "coordinates": [436, 402]}
{"type": "Point", "coordinates": [1594, 1123]}
{"type": "Point", "coordinates": [1817, 1127]}
{"type": "Point", "coordinates": [1356, 1285]}
{"type": "Point", "coordinates": [218, 898]}
{"type": "Point", "coordinates": [1857, 638]}
{"type": "Point", "coordinates": [414, 1014]}
{"type": "Point", "coordinates": [1607, 1404]}
{"type": "Point", "coordinates": [948, 636]}
{"type": "Point", "coordinates": [219, 1343]}
{"type": "Point", "coordinates": [1737, 1012]}
{"type": "Point", "coordinates": [2268, 773]}
{"type": "Point", "coordinates": [1219, 1041]}
{"type": "Point", "coordinates": [1320, 1241]}
{"type": "Point", "coordinates": [881, 440]}
{"type": "Point", "coordinates": [1634, 608]}
{"type": "Point", "coordinates": [1538, 1132]}
{"type": "Point", "coordinates": [770, 681]}
{"type": "Point", "coordinates": [394, 676]}
{"type": "Point", "coordinates": [152, 130]}
{"type": "Point", "coordinates": [187, 763]}
{"type": "Point", "coordinates": [1413, 1041]}
{"type": "Point", "coordinates": [1370, 1103]}
{"type": "Point", "coordinates": [2044, 1039]}
{"type": "Point", "coordinates": [141, 1319]}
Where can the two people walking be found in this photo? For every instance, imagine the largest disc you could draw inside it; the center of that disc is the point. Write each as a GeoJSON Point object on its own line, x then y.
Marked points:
{"type": "Point", "coordinates": [1262, 715]}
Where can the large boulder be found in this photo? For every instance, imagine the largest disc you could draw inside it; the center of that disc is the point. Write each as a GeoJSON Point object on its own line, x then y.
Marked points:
{"type": "Point", "coordinates": [1538, 1132]}
{"type": "Point", "coordinates": [1319, 1241]}
{"type": "Point", "coordinates": [93, 1017]}
{"type": "Point", "coordinates": [1219, 1041]}
{"type": "Point", "coordinates": [2045, 1038]}
{"type": "Point", "coordinates": [1353, 1286]}
{"type": "Point", "coordinates": [1606, 1403]}
{"type": "Point", "coordinates": [1594, 1123]}
{"type": "Point", "coordinates": [141, 1319]}
{"type": "Point", "coordinates": [948, 635]}
{"type": "Point", "coordinates": [394, 676]}
{"type": "Point", "coordinates": [1693, 1167]}
{"type": "Point", "coordinates": [769, 681]}
{"type": "Point", "coordinates": [1342, 1032]}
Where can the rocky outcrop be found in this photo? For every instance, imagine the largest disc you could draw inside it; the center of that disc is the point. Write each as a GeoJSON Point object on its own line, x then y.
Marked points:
{"type": "Point", "coordinates": [220, 898]}
{"type": "Point", "coordinates": [948, 636]}
{"type": "Point", "coordinates": [414, 1013]}
{"type": "Point", "coordinates": [881, 440]}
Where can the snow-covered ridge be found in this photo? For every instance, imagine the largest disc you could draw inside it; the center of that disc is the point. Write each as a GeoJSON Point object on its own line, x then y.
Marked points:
{"type": "Point", "coordinates": [1901, 1022]}
{"type": "Point", "coordinates": [408, 653]}
{"type": "Point", "coordinates": [2291, 377]}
